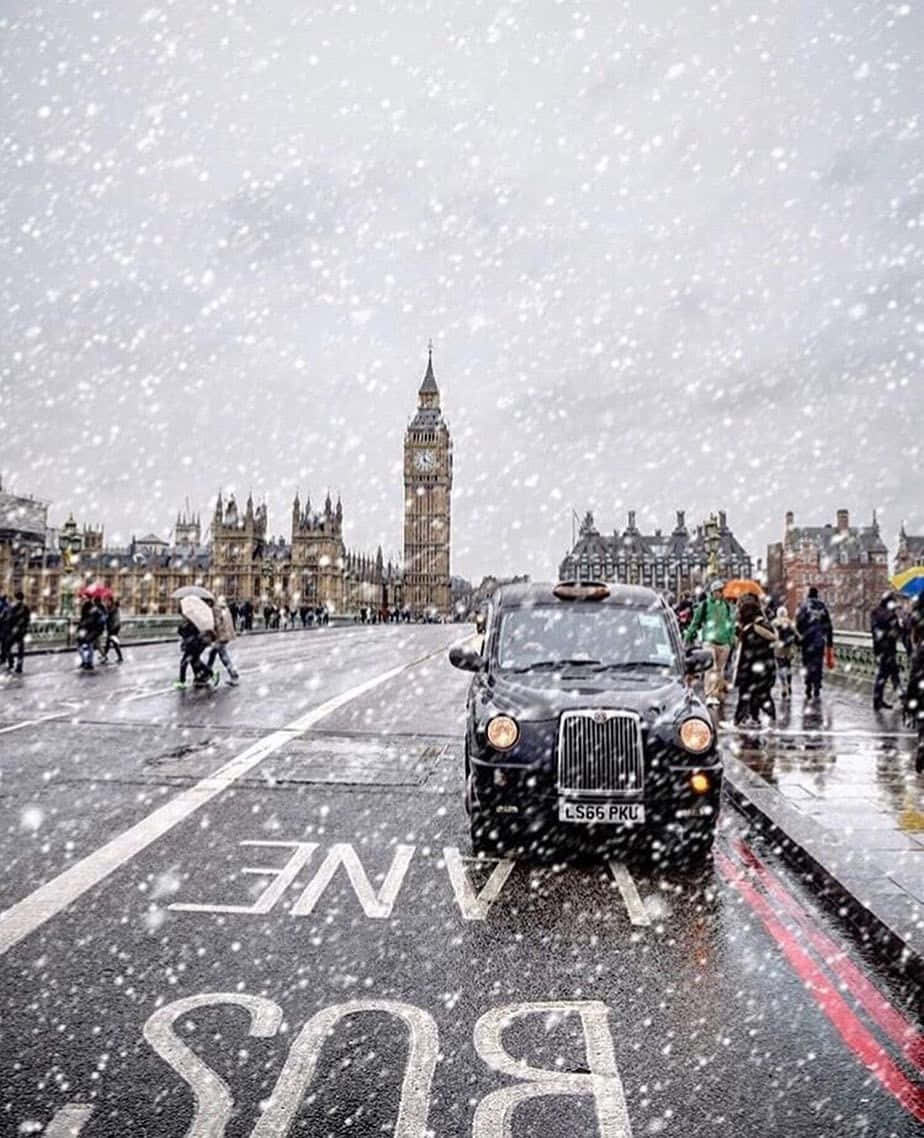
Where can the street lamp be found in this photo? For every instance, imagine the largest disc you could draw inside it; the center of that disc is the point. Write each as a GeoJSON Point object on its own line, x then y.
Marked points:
{"type": "Point", "coordinates": [712, 545]}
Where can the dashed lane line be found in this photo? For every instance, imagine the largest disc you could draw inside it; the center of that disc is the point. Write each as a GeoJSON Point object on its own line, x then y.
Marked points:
{"type": "Point", "coordinates": [625, 882]}
{"type": "Point", "coordinates": [48, 900]}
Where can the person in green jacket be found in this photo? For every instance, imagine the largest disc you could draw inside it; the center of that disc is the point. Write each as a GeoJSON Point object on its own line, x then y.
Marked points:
{"type": "Point", "coordinates": [714, 624]}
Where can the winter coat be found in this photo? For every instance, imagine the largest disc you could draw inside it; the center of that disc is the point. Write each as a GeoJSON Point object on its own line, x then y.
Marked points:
{"type": "Point", "coordinates": [813, 623]}
{"type": "Point", "coordinates": [786, 637]}
{"type": "Point", "coordinates": [886, 627]}
{"type": "Point", "coordinates": [92, 624]}
{"type": "Point", "coordinates": [113, 621]}
{"type": "Point", "coordinates": [193, 640]}
{"type": "Point", "coordinates": [17, 620]}
{"type": "Point", "coordinates": [715, 617]}
{"type": "Point", "coordinates": [756, 653]}
{"type": "Point", "coordinates": [224, 624]}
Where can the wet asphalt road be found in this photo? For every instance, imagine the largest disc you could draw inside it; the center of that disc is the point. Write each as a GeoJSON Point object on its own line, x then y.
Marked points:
{"type": "Point", "coordinates": [228, 912]}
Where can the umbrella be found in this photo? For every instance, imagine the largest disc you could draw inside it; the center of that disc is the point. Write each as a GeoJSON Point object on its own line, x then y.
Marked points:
{"type": "Point", "coordinates": [196, 610]}
{"type": "Point", "coordinates": [193, 591]}
{"type": "Point", "coordinates": [94, 591]}
{"type": "Point", "coordinates": [740, 587]}
{"type": "Point", "coordinates": [910, 583]}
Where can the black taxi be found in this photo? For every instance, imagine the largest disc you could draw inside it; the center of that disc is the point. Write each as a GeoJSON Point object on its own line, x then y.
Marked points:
{"type": "Point", "coordinates": [582, 723]}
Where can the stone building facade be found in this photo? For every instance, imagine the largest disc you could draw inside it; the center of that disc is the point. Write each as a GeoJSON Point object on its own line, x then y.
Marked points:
{"type": "Point", "coordinates": [675, 562]}
{"type": "Point", "coordinates": [427, 504]}
{"type": "Point", "coordinates": [848, 564]}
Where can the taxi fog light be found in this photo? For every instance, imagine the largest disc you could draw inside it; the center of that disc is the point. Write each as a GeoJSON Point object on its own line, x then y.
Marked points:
{"type": "Point", "coordinates": [699, 782]}
{"type": "Point", "coordinates": [696, 735]}
{"type": "Point", "coordinates": [503, 732]}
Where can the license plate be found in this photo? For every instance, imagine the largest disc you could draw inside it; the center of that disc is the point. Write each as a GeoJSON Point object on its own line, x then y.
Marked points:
{"type": "Point", "coordinates": [609, 813]}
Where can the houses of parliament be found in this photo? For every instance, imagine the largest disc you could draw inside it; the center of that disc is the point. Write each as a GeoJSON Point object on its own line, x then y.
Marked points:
{"type": "Point", "coordinates": [237, 558]}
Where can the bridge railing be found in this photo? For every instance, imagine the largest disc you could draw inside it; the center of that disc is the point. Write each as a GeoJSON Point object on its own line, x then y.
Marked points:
{"type": "Point", "coordinates": [855, 659]}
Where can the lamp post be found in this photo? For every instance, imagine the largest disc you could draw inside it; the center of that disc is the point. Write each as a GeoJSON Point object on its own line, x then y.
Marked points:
{"type": "Point", "coordinates": [712, 545]}
{"type": "Point", "coordinates": [69, 543]}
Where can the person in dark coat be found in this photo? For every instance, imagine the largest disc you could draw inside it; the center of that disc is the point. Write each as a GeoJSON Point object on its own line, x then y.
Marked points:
{"type": "Point", "coordinates": [914, 693]}
{"type": "Point", "coordinates": [888, 633]}
{"type": "Point", "coordinates": [15, 624]}
{"type": "Point", "coordinates": [113, 627]}
{"type": "Point", "coordinates": [816, 633]}
{"type": "Point", "coordinates": [756, 671]}
{"type": "Point", "coordinates": [91, 627]}
{"type": "Point", "coordinates": [193, 644]}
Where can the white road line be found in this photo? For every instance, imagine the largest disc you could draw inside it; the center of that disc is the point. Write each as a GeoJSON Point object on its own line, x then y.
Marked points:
{"type": "Point", "coordinates": [51, 898]}
{"type": "Point", "coordinates": [638, 915]}
{"type": "Point", "coordinates": [68, 1121]}
{"type": "Point", "coordinates": [32, 722]}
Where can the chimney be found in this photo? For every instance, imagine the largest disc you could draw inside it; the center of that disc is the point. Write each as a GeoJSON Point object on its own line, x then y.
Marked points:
{"type": "Point", "coordinates": [723, 522]}
{"type": "Point", "coordinates": [631, 520]}
{"type": "Point", "coordinates": [790, 519]}
{"type": "Point", "coordinates": [843, 521]}
{"type": "Point", "coordinates": [680, 520]}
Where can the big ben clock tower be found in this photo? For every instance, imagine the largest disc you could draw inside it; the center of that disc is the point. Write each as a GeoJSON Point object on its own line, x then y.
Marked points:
{"type": "Point", "coordinates": [427, 506]}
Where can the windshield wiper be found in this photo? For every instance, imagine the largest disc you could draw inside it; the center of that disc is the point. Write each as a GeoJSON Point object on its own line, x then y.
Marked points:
{"type": "Point", "coordinates": [547, 665]}
{"type": "Point", "coordinates": [629, 665]}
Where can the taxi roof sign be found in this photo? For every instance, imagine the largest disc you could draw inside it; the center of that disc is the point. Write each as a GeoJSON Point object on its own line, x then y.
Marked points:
{"type": "Point", "coordinates": [581, 590]}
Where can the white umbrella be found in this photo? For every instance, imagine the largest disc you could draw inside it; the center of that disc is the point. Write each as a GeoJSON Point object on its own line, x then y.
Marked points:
{"type": "Point", "coordinates": [196, 610]}
{"type": "Point", "coordinates": [192, 591]}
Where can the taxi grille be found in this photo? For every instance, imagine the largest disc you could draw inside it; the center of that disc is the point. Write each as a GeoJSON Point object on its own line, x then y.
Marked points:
{"type": "Point", "coordinates": [600, 753]}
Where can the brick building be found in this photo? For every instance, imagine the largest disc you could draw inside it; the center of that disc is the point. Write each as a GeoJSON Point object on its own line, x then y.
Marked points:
{"type": "Point", "coordinates": [910, 550]}
{"type": "Point", "coordinates": [848, 564]}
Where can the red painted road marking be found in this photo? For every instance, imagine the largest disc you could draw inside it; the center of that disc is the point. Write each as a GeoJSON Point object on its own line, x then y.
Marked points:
{"type": "Point", "coordinates": [867, 1049]}
{"type": "Point", "coordinates": [897, 1026]}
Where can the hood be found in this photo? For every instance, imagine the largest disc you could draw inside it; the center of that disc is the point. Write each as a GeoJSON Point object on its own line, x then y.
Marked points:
{"type": "Point", "coordinates": [541, 697]}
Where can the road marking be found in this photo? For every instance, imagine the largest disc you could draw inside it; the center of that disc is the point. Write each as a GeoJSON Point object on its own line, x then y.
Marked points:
{"type": "Point", "coordinates": [51, 898]}
{"type": "Point", "coordinates": [68, 1121]}
{"type": "Point", "coordinates": [638, 914]}
{"type": "Point", "coordinates": [852, 1031]}
{"type": "Point", "coordinates": [295, 1078]}
{"type": "Point", "coordinates": [493, 1116]}
{"type": "Point", "coordinates": [284, 876]}
{"type": "Point", "coordinates": [475, 906]}
{"type": "Point", "coordinates": [214, 1101]}
{"type": "Point", "coordinates": [32, 722]}
{"type": "Point", "coordinates": [377, 905]}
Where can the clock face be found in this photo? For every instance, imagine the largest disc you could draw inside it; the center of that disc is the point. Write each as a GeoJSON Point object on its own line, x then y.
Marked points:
{"type": "Point", "coordinates": [425, 460]}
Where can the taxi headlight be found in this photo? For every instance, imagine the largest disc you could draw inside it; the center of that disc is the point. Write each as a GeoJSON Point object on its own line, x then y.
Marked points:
{"type": "Point", "coordinates": [696, 735]}
{"type": "Point", "coordinates": [503, 732]}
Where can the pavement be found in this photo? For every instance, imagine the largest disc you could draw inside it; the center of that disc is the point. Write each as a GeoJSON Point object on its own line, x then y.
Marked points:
{"type": "Point", "coordinates": [836, 784]}
{"type": "Point", "coordinates": [253, 911]}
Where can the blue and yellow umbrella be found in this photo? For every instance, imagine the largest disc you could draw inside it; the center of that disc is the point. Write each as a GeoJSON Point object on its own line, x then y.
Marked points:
{"type": "Point", "coordinates": [909, 583]}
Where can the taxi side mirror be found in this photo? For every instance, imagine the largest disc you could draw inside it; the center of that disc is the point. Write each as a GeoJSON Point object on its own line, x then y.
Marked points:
{"type": "Point", "coordinates": [698, 660]}
{"type": "Point", "coordinates": [468, 659]}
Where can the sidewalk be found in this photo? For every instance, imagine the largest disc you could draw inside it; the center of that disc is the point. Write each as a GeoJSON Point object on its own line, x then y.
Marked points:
{"type": "Point", "coordinates": [837, 785]}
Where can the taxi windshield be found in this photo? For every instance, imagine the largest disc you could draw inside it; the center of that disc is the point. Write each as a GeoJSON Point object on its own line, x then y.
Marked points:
{"type": "Point", "coordinates": [586, 636]}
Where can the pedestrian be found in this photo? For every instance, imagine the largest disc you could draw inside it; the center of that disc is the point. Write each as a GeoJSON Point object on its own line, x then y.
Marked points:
{"type": "Point", "coordinates": [888, 632]}
{"type": "Point", "coordinates": [224, 634]}
{"type": "Point", "coordinates": [91, 626]}
{"type": "Point", "coordinates": [816, 634]}
{"type": "Point", "coordinates": [714, 623]}
{"type": "Point", "coordinates": [786, 641]}
{"type": "Point", "coordinates": [193, 644]}
{"type": "Point", "coordinates": [14, 625]}
{"type": "Point", "coordinates": [235, 613]}
{"type": "Point", "coordinates": [914, 693]}
{"type": "Point", "coordinates": [684, 612]}
{"type": "Point", "coordinates": [113, 627]}
{"type": "Point", "coordinates": [755, 674]}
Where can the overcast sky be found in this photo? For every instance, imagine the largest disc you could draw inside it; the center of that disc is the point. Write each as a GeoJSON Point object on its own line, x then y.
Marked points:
{"type": "Point", "coordinates": [670, 256]}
